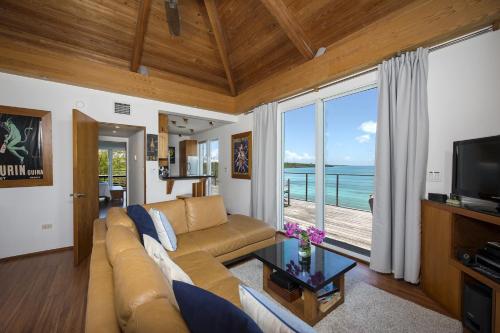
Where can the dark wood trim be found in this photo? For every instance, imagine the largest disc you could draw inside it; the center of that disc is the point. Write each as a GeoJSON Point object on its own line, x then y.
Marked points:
{"type": "Point", "coordinates": [221, 41]}
{"type": "Point", "coordinates": [140, 31]}
{"type": "Point", "coordinates": [290, 26]}
{"type": "Point", "coordinates": [46, 125]}
{"type": "Point", "coordinates": [34, 254]}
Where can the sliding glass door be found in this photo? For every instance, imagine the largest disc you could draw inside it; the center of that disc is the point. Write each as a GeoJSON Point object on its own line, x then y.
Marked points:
{"type": "Point", "coordinates": [209, 163]}
{"type": "Point", "coordinates": [299, 165]}
{"type": "Point", "coordinates": [349, 141]}
{"type": "Point", "coordinates": [327, 169]}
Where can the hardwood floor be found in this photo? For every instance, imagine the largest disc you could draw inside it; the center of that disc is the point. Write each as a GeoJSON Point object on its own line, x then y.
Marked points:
{"type": "Point", "coordinates": [46, 293]}
{"type": "Point", "coordinates": [43, 293]}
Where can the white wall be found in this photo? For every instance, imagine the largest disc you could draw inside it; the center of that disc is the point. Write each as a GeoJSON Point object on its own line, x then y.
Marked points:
{"type": "Point", "coordinates": [173, 141]}
{"type": "Point", "coordinates": [236, 192]}
{"type": "Point", "coordinates": [464, 100]}
{"type": "Point", "coordinates": [24, 210]}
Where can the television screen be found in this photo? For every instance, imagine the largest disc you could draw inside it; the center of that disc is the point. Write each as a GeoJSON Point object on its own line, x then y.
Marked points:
{"type": "Point", "coordinates": [476, 168]}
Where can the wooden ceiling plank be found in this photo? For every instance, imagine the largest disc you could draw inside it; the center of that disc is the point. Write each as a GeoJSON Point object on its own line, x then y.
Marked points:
{"type": "Point", "coordinates": [20, 58]}
{"type": "Point", "coordinates": [140, 32]}
{"type": "Point", "coordinates": [293, 30]}
{"type": "Point", "coordinates": [220, 39]}
{"type": "Point", "coordinates": [419, 24]}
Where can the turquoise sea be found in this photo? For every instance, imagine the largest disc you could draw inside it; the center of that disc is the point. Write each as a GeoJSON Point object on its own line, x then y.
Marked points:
{"type": "Point", "coordinates": [355, 184]}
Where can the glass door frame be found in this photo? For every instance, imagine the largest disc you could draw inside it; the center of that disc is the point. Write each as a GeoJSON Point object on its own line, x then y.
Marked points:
{"type": "Point", "coordinates": [318, 97]}
{"type": "Point", "coordinates": [208, 151]}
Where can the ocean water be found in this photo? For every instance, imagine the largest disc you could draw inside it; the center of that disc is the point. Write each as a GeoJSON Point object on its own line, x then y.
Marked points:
{"type": "Point", "coordinates": [355, 184]}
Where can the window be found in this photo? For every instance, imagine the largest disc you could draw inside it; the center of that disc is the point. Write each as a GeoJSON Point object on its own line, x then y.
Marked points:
{"type": "Point", "coordinates": [209, 163]}
{"type": "Point", "coordinates": [113, 166]}
{"type": "Point", "coordinates": [327, 166]}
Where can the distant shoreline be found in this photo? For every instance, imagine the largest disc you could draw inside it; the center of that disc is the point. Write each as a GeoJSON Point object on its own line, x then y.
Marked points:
{"type": "Point", "coordinates": [289, 165]}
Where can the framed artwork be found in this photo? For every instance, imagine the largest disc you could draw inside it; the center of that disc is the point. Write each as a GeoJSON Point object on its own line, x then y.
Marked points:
{"type": "Point", "coordinates": [152, 147]}
{"type": "Point", "coordinates": [241, 155]}
{"type": "Point", "coordinates": [171, 154]}
{"type": "Point", "coordinates": [25, 147]}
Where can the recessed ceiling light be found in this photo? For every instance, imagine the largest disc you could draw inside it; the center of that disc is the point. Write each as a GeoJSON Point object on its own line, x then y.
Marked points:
{"type": "Point", "coordinates": [320, 52]}
{"type": "Point", "coordinates": [114, 132]}
{"type": "Point", "coordinates": [117, 126]}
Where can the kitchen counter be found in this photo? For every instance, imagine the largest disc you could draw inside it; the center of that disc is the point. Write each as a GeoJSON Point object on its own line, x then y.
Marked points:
{"type": "Point", "coordinates": [171, 180]}
{"type": "Point", "coordinates": [186, 177]}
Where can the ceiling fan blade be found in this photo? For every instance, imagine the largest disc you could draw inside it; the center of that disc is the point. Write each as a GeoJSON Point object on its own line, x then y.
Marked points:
{"type": "Point", "coordinates": [173, 20]}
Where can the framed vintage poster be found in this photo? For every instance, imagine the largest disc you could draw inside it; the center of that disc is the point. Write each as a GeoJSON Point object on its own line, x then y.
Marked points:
{"type": "Point", "coordinates": [25, 147]}
{"type": "Point", "coordinates": [241, 151]}
{"type": "Point", "coordinates": [152, 147]}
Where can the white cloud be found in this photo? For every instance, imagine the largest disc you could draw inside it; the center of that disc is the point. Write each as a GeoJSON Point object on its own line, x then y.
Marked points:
{"type": "Point", "coordinates": [347, 158]}
{"type": "Point", "coordinates": [363, 138]}
{"type": "Point", "coordinates": [369, 127]}
{"type": "Point", "coordinates": [291, 156]}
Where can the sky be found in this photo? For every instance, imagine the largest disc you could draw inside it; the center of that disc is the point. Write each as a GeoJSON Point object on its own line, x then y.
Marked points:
{"type": "Point", "coordinates": [350, 128]}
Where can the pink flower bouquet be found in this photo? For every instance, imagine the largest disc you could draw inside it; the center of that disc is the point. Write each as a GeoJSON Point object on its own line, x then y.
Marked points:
{"type": "Point", "coordinates": [294, 230]}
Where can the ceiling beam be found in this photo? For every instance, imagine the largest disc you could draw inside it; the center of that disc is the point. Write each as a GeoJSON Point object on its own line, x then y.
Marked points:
{"type": "Point", "coordinates": [221, 41]}
{"type": "Point", "coordinates": [421, 23]}
{"type": "Point", "coordinates": [140, 32]}
{"type": "Point", "coordinates": [21, 58]}
{"type": "Point", "coordinates": [290, 26]}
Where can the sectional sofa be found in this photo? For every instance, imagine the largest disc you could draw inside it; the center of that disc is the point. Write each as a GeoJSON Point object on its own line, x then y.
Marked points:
{"type": "Point", "coordinates": [127, 291]}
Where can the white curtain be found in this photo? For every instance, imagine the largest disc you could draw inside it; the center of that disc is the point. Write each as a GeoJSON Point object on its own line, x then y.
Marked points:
{"type": "Point", "coordinates": [265, 133]}
{"type": "Point", "coordinates": [400, 168]}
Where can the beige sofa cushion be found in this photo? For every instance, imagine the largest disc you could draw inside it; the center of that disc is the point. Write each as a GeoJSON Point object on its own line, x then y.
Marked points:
{"type": "Point", "coordinates": [119, 239]}
{"type": "Point", "coordinates": [137, 281]}
{"type": "Point", "coordinates": [175, 211]}
{"type": "Point", "coordinates": [253, 230]}
{"type": "Point", "coordinates": [157, 316]}
{"type": "Point", "coordinates": [118, 217]}
{"type": "Point", "coordinates": [99, 234]}
{"type": "Point", "coordinates": [205, 212]}
{"type": "Point", "coordinates": [217, 240]}
{"type": "Point", "coordinates": [100, 316]}
{"type": "Point", "coordinates": [203, 269]}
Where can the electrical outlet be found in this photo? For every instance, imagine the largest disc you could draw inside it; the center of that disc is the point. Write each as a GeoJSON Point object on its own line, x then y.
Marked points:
{"type": "Point", "coordinates": [434, 176]}
{"type": "Point", "coordinates": [46, 226]}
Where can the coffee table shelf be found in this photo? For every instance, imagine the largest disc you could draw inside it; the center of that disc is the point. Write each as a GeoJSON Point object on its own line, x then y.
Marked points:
{"type": "Point", "coordinates": [311, 274]}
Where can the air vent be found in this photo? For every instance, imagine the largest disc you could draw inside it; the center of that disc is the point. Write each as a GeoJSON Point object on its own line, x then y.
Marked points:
{"type": "Point", "coordinates": [122, 108]}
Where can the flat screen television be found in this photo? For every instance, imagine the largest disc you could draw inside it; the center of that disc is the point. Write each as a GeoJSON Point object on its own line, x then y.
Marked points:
{"type": "Point", "coordinates": [476, 169]}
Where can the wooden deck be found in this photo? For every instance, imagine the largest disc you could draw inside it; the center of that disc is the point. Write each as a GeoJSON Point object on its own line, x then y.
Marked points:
{"type": "Point", "coordinates": [343, 224]}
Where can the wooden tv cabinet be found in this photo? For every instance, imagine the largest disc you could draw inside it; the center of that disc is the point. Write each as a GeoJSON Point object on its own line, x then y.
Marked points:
{"type": "Point", "coordinates": [445, 229]}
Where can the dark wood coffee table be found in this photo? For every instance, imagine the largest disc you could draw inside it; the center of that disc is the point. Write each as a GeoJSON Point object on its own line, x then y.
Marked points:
{"type": "Point", "coordinates": [310, 274]}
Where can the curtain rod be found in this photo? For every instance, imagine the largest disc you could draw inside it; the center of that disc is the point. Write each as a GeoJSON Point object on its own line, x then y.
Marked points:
{"type": "Point", "coordinates": [374, 68]}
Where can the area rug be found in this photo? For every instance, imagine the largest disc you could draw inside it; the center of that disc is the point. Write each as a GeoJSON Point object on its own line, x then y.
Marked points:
{"type": "Point", "coordinates": [366, 308]}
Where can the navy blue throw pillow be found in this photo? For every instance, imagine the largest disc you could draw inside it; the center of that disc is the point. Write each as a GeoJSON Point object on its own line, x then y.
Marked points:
{"type": "Point", "coordinates": [205, 312]}
{"type": "Point", "coordinates": [142, 221]}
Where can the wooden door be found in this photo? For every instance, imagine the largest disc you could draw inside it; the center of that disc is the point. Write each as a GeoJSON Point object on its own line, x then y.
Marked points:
{"type": "Point", "coordinates": [85, 183]}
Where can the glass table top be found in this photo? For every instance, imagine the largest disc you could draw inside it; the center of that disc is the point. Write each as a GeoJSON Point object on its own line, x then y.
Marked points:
{"type": "Point", "coordinates": [314, 272]}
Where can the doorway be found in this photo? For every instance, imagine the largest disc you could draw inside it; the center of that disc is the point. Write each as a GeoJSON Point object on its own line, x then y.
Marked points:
{"type": "Point", "coordinates": [122, 164]}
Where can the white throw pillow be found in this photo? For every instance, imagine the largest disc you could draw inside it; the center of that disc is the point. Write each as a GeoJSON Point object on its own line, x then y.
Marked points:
{"type": "Point", "coordinates": [268, 315]}
{"type": "Point", "coordinates": [169, 268]}
{"type": "Point", "coordinates": [165, 231]}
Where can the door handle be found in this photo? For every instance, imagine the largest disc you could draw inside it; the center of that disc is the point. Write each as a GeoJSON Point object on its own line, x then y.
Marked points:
{"type": "Point", "coordinates": [78, 195]}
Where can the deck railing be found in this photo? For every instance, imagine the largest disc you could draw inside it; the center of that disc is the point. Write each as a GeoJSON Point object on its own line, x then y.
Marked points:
{"type": "Point", "coordinates": [308, 176]}
{"type": "Point", "coordinates": [117, 180]}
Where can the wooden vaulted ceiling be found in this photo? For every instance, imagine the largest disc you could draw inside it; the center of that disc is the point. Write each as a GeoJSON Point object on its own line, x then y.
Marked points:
{"type": "Point", "coordinates": [231, 54]}
{"type": "Point", "coordinates": [259, 36]}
